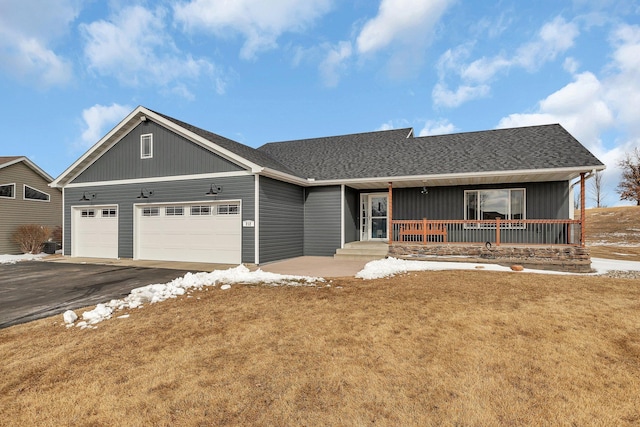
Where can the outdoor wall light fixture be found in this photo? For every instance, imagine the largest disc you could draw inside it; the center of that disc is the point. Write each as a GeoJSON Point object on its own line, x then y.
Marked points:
{"type": "Point", "coordinates": [145, 194]}
{"type": "Point", "coordinates": [85, 198]}
{"type": "Point", "coordinates": [424, 190]}
{"type": "Point", "coordinates": [214, 190]}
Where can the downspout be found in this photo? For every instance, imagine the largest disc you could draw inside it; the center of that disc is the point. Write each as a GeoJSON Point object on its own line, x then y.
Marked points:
{"type": "Point", "coordinates": [390, 212]}
{"type": "Point", "coordinates": [582, 206]}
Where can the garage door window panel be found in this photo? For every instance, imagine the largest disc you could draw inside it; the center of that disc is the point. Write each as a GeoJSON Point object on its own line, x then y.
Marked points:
{"type": "Point", "coordinates": [200, 210]}
{"type": "Point", "coordinates": [151, 212]}
{"type": "Point", "coordinates": [110, 213]}
{"type": "Point", "coordinates": [174, 211]}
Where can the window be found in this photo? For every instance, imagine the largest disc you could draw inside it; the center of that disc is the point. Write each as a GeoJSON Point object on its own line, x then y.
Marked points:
{"type": "Point", "coordinates": [8, 191]}
{"type": "Point", "coordinates": [174, 211]}
{"type": "Point", "coordinates": [88, 213]}
{"type": "Point", "coordinates": [31, 193]}
{"type": "Point", "coordinates": [507, 204]}
{"type": "Point", "coordinates": [151, 212]}
{"type": "Point", "coordinates": [110, 213]}
{"type": "Point", "coordinates": [200, 210]}
{"type": "Point", "coordinates": [146, 146]}
{"type": "Point", "coordinates": [228, 210]}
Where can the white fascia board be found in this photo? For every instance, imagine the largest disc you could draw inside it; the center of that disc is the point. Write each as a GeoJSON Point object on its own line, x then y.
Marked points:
{"type": "Point", "coordinates": [160, 179]}
{"type": "Point", "coordinates": [113, 137]}
{"type": "Point", "coordinates": [453, 176]}
{"type": "Point", "coordinates": [281, 176]}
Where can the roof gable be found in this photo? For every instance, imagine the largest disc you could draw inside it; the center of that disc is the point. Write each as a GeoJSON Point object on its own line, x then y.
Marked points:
{"type": "Point", "coordinates": [6, 161]}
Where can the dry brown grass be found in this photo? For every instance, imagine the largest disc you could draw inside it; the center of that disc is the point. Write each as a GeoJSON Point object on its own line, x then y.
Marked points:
{"type": "Point", "coordinates": [431, 348]}
{"type": "Point", "coordinates": [614, 233]}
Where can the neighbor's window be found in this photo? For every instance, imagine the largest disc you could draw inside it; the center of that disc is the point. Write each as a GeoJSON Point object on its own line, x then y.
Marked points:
{"type": "Point", "coordinates": [174, 211]}
{"type": "Point", "coordinates": [31, 193]}
{"type": "Point", "coordinates": [508, 204]}
{"type": "Point", "coordinates": [8, 191]}
{"type": "Point", "coordinates": [151, 212]}
{"type": "Point", "coordinates": [146, 146]}
{"type": "Point", "coordinates": [200, 210]}
{"type": "Point", "coordinates": [110, 213]}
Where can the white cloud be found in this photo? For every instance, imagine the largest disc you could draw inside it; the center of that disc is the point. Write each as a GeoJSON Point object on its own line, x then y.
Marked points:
{"type": "Point", "coordinates": [600, 112]}
{"type": "Point", "coordinates": [334, 63]}
{"type": "Point", "coordinates": [135, 48]}
{"type": "Point", "coordinates": [99, 119]}
{"type": "Point", "coordinates": [438, 127]}
{"type": "Point", "coordinates": [442, 96]}
{"type": "Point", "coordinates": [260, 22]}
{"type": "Point", "coordinates": [554, 38]}
{"type": "Point", "coordinates": [408, 22]}
{"type": "Point", "coordinates": [27, 30]}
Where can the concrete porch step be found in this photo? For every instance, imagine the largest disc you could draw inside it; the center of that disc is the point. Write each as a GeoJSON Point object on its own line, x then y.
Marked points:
{"type": "Point", "coordinates": [366, 251]}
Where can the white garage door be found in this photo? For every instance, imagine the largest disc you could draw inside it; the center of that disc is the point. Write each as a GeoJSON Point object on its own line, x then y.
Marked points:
{"type": "Point", "coordinates": [202, 232]}
{"type": "Point", "coordinates": [94, 232]}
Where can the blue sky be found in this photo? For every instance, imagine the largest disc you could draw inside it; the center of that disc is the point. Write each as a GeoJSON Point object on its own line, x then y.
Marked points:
{"type": "Point", "coordinates": [260, 71]}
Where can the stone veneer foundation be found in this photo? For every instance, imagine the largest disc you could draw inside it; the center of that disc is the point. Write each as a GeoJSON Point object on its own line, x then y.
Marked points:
{"type": "Point", "coordinates": [559, 258]}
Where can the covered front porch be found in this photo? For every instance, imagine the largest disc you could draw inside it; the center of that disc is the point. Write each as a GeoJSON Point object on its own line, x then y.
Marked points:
{"type": "Point", "coordinates": [488, 228]}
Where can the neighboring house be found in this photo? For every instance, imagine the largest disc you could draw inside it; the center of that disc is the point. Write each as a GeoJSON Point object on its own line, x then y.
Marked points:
{"type": "Point", "coordinates": [25, 198]}
{"type": "Point", "coordinates": [157, 188]}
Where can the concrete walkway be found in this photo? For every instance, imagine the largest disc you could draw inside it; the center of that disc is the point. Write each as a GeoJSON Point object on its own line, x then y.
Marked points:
{"type": "Point", "coordinates": [302, 266]}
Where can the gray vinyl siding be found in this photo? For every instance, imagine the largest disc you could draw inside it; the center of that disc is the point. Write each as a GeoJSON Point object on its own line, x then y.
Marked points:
{"type": "Point", "coordinates": [281, 220]}
{"type": "Point", "coordinates": [172, 155]}
{"type": "Point", "coordinates": [17, 211]}
{"type": "Point", "coordinates": [125, 196]}
{"type": "Point", "coordinates": [322, 221]}
{"type": "Point", "coordinates": [351, 218]}
{"type": "Point", "coordinates": [544, 200]}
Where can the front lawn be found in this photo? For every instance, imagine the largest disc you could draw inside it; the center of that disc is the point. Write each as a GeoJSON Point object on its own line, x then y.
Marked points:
{"type": "Point", "coordinates": [427, 348]}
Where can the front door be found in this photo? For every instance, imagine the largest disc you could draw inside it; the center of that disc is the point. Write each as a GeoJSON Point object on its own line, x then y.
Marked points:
{"type": "Point", "coordinates": [374, 218]}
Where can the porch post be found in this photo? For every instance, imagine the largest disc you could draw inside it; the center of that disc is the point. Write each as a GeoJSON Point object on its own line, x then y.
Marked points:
{"type": "Point", "coordinates": [582, 212]}
{"type": "Point", "coordinates": [390, 213]}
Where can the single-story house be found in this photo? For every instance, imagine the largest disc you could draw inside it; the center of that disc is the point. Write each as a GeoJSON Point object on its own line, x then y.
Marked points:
{"type": "Point", "coordinates": [158, 188]}
{"type": "Point", "coordinates": [25, 198]}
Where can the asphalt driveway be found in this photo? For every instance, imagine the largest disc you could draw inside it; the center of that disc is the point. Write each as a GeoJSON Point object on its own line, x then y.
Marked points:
{"type": "Point", "coordinates": [33, 290]}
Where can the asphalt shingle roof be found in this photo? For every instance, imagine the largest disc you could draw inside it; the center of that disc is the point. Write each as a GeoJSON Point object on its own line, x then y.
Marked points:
{"type": "Point", "coordinates": [391, 153]}
{"type": "Point", "coordinates": [397, 152]}
{"type": "Point", "coordinates": [244, 151]}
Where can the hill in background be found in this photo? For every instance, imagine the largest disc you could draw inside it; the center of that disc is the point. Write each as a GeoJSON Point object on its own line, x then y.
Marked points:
{"type": "Point", "coordinates": [613, 232]}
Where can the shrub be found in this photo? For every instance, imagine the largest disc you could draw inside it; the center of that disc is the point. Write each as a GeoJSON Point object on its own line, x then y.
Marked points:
{"type": "Point", "coordinates": [31, 237]}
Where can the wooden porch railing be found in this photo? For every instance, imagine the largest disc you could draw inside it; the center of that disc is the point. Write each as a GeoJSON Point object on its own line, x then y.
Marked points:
{"type": "Point", "coordinates": [566, 232]}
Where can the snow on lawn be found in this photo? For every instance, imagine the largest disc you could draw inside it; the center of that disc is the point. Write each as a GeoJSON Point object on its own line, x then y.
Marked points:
{"type": "Point", "coordinates": [12, 259]}
{"type": "Point", "coordinates": [180, 286]}
{"type": "Point", "coordinates": [391, 266]}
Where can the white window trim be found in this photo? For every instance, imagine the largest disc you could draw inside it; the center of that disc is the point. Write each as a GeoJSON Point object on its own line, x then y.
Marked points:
{"type": "Point", "coordinates": [24, 194]}
{"type": "Point", "coordinates": [524, 208]}
{"type": "Point", "coordinates": [142, 139]}
{"type": "Point", "coordinates": [87, 213]}
{"type": "Point", "coordinates": [14, 190]}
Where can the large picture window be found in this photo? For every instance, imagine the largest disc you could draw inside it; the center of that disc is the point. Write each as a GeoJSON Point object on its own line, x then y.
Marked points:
{"type": "Point", "coordinates": [507, 204]}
